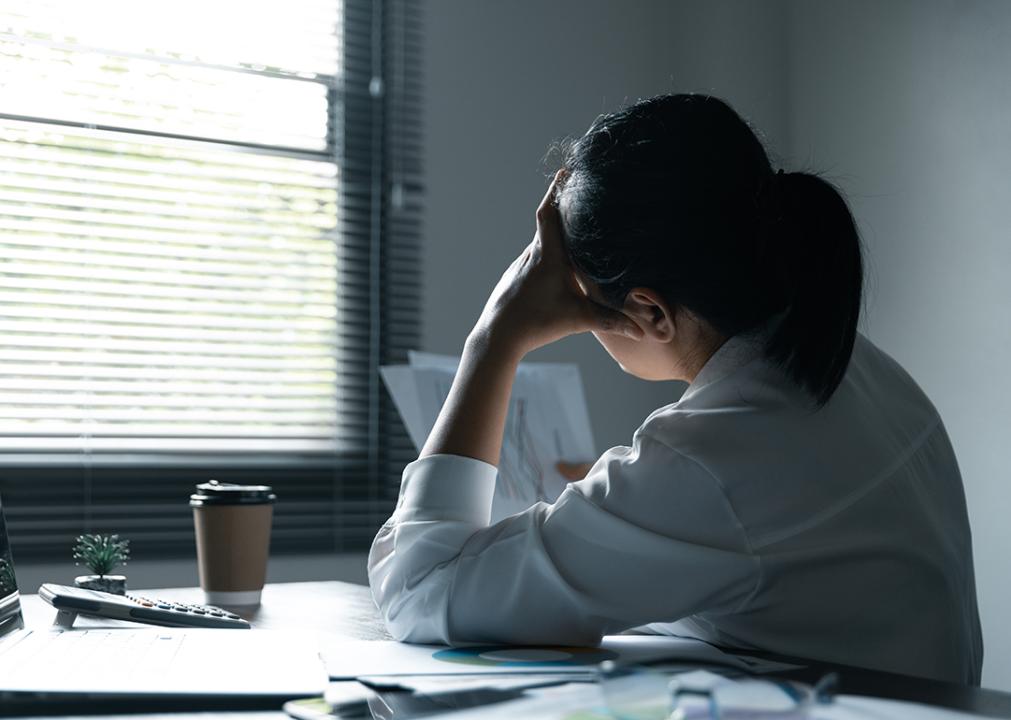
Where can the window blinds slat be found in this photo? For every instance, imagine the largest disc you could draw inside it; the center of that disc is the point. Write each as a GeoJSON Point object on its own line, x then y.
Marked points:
{"type": "Point", "coordinates": [268, 442]}
{"type": "Point", "coordinates": [168, 298]}
{"type": "Point", "coordinates": [125, 267]}
{"type": "Point", "coordinates": [135, 160]}
{"type": "Point", "coordinates": [168, 324]}
{"type": "Point", "coordinates": [108, 221]}
{"type": "Point", "coordinates": [92, 374]}
{"type": "Point", "coordinates": [24, 247]}
{"type": "Point", "coordinates": [34, 332]}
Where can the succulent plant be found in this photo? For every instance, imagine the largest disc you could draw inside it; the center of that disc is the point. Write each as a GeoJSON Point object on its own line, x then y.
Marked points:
{"type": "Point", "coordinates": [101, 553]}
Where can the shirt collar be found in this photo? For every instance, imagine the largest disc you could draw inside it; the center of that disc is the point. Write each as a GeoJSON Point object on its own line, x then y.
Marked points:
{"type": "Point", "coordinates": [735, 353]}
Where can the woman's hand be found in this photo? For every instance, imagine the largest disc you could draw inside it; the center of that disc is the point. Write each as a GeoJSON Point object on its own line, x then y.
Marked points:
{"type": "Point", "coordinates": [538, 300]}
{"type": "Point", "coordinates": [573, 471]}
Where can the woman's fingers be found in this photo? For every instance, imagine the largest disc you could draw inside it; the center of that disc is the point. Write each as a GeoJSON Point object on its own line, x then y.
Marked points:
{"type": "Point", "coordinates": [604, 319]}
{"type": "Point", "coordinates": [539, 299]}
{"type": "Point", "coordinates": [573, 471]}
{"type": "Point", "coordinates": [549, 222]}
{"type": "Point", "coordinates": [552, 249]}
{"type": "Point", "coordinates": [548, 201]}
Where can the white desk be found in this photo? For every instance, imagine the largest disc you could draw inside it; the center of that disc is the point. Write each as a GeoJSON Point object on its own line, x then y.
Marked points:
{"type": "Point", "coordinates": [345, 610]}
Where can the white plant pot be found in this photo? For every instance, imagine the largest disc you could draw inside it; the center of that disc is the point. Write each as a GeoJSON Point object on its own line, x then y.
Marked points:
{"type": "Point", "coordinates": [106, 583]}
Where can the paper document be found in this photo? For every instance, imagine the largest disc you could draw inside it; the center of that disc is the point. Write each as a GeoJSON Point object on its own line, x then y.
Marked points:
{"type": "Point", "coordinates": [548, 421]}
{"type": "Point", "coordinates": [387, 658]}
{"type": "Point", "coordinates": [155, 661]}
{"type": "Point", "coordinates": [432, 684]}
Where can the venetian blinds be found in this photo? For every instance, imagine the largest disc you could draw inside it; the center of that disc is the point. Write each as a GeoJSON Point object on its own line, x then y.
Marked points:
{"type": "Point", "coordinates": [196, 232]}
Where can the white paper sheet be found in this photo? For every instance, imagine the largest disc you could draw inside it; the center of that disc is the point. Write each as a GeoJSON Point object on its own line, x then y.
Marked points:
{"type": "Point", "coordinates": [433, 684]}
{"type": "Point", "coordinates": [366, 658]}
{"type": "Point", "coordinates": [548, 421]}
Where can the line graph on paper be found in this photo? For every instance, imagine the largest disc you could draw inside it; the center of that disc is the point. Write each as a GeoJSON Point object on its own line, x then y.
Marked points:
{"type": "Point", "coordinates": [520, 471]}
{"type": "Point", "coordinates": [521, 474]}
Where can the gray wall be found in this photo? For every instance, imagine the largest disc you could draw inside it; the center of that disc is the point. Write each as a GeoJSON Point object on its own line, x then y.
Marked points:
{"type": "Point", "coordinates": [505, 79]}
{"type": "Point", "coordinates": [908, 106]}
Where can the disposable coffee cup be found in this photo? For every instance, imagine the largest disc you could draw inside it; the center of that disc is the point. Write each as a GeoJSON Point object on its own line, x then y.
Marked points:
{"type": "Point", "coordinates": [232, 523]}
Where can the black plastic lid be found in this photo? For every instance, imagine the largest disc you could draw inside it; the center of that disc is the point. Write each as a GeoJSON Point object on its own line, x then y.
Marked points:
{"type": "Point", "coordinates": [215, 493]}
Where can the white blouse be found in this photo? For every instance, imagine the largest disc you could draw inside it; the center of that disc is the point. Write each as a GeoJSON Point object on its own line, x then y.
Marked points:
{"type": "Point", "coordinates": [839, 535]}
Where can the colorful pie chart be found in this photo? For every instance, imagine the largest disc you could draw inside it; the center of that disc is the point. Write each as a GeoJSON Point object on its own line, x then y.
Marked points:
{"type": "Point", "coordinates": [503, 656]}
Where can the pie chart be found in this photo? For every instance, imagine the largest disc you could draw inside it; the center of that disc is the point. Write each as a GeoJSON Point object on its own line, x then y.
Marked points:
{"type": "Point", "coordinates": [533, 657]}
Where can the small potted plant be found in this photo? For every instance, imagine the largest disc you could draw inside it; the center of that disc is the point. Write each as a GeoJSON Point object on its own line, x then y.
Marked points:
{"type": "Point", "coordinates": [102, 554]}
{"type": "Point", "coordinates": [7, 584]}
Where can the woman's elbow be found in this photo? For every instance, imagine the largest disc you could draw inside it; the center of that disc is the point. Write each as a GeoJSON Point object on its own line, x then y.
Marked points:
{"type": "Point", "coordinates": [404, 630]}
{"type": "Point", "coordinates": [416, 616]}
{"type": "Point", "coordinates": [411, 614]}
{"type": "Point", "coordinates": [409, 620]}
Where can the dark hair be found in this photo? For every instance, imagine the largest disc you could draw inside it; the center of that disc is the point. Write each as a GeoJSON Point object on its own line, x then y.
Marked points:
{"type": "Point", "coordinates": [676, 193]}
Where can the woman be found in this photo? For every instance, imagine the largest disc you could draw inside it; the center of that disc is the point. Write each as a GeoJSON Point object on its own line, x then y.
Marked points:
{"type": "Point", "coordinates": [802, 497]}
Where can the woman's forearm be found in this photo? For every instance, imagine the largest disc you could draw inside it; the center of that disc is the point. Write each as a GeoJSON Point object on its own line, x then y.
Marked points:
{"type": "Point", "coordinates": [473, 417]}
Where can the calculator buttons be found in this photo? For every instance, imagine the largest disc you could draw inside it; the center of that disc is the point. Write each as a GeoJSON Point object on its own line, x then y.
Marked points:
{"type": "Point", "coordinates": [156, 611]}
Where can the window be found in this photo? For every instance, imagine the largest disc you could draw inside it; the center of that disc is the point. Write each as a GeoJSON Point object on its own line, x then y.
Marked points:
{"type": "Point", "coordinates": [208, 225]}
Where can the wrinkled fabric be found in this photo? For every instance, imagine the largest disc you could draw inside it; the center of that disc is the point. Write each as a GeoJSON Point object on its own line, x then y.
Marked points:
{"type": "Point", "coordinates": [740, 511]}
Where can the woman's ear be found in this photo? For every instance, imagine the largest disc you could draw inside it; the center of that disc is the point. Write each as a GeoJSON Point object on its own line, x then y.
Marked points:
{"type": "Point", "coordinates": [651, 313]}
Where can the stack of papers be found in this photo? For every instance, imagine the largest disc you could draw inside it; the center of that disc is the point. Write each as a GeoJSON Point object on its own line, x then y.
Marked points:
{"type": "Point", "coordinates": [545, 698]}
{"type": "Point", "coordinates": [586, 702]}
{"type": "Point", "coordinates": [390, 662]}
{"type": "Point", "coordinates": [391, 679]}
{"type": "Point", "coordinates": [548, 422]}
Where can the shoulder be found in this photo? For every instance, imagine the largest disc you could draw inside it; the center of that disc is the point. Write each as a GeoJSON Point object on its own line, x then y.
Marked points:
{"type": "Point", "coordinates": [758, 401]}
{"type": "Point", "coordinates": [721, 419]}
{"type": "Point", "coordinates": [873, 367]}
{"type": "Point", "coordinates": [654, 486]}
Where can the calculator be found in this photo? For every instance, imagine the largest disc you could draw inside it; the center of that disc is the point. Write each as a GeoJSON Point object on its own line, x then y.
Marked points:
{"type": "Point", "coordinates": [73, 601]}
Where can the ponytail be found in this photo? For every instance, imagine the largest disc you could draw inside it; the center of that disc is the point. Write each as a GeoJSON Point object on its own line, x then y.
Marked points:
{"type": "Point", "coordinates": [820, 272]}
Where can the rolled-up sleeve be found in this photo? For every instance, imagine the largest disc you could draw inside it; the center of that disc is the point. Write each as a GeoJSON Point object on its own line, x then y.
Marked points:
{"type": "Point", "coordinates": [648, 536]}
